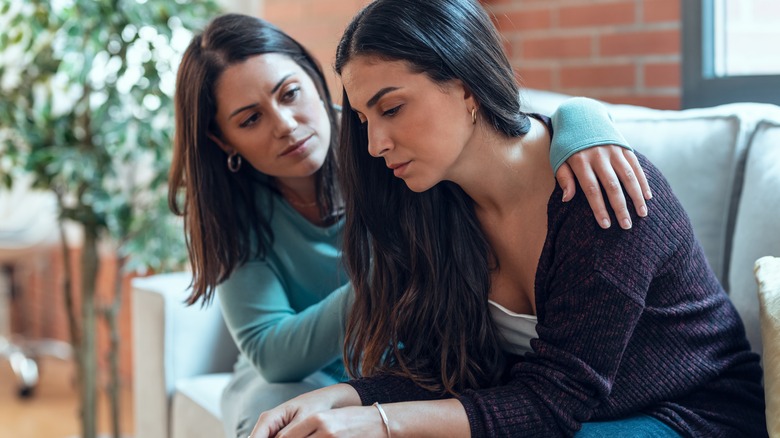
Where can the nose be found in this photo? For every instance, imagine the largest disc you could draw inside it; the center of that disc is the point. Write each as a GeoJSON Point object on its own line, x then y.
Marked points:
{"type": "Point", "coordinates": [378, 143]}
{"type": "Point", "coordinates": [285, 122]}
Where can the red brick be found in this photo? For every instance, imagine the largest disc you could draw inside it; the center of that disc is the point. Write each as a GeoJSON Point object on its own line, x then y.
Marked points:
{"type": "Point", "coordinates": [279, 12]}
{"type": "Point", "coordinates": [523, 20]}
{"type": "Point", "coordinates": [662, 75]}
{"type": "Point", "coordinates": [488, 3]}
{"type": "Point", "coordinates": [597, 14]}
{"type": "Point", "coordinates": [598, 76]}
{"type": "Point", "coordinates": [540, 78]}
{"type": "Point", "coordinates": [556, 47]}
{"type": "Point", "coordinates": [319, 9]}
{"type": "Point", "coordinates": [640, 43]}
{"type": "Point", "coordinates": [660, 10]}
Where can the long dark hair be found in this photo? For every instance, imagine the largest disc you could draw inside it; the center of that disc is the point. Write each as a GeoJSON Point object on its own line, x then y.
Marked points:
{"type": "Point", "coordinates": [420, 263]}
{"type": "Point", "coordinates": [220, 208]}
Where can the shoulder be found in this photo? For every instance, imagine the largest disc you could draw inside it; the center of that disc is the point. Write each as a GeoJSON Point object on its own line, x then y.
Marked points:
{"type": "Point", "coordinates": [580, 245]}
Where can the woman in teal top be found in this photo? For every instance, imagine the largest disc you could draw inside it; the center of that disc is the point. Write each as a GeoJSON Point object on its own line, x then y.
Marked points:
{"type": "Point", "coordinates": [254, 179]}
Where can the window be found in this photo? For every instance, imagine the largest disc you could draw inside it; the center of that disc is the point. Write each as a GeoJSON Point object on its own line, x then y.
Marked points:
{"type": "Point", "coordinates": [730, 52]}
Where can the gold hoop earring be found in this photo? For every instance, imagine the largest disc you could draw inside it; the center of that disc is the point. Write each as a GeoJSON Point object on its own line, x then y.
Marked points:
{"type": "Point", "coordinates": [234, 165]}
{"type": "Point", "coordinates": [474, 116]}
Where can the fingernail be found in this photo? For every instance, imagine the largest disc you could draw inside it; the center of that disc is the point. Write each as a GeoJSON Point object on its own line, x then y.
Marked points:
{"type": "Point", "coordinates": [605, 223]}
{"type": "Point", "coordinates": [643, 211]}
{"type": "Point", "coordinates": [564, 195]}
{"type": "Point", "coordinates": [648, 195]}
{"type": "Point", "coordinates": [625, 224]}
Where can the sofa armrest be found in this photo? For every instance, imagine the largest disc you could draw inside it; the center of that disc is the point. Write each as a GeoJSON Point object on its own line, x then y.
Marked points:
{"type": "Point", "coordinates": [172, 341]}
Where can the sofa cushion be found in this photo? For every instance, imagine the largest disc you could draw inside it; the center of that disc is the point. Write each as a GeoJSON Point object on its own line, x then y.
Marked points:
{"type": "Point", "coordinates": [767, 271]}
{"type": "Point", "coordinates": [757, 226]}
{"type": "Point", "coordinates": [195, 410]}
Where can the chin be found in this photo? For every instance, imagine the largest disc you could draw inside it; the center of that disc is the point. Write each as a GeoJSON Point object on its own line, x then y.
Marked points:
{"type": "Point", "coordinates": [417, 186]}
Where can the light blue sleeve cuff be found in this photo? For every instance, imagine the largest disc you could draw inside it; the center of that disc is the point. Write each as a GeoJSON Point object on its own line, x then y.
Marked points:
{"type": "Point", "coordinates": [581, 123]}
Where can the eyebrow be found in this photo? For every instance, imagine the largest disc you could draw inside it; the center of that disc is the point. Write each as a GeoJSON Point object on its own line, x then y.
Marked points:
{"type": "Point", "coordinates": [371, 102]}
{"type": "Point", "coordinates": [273, 90]}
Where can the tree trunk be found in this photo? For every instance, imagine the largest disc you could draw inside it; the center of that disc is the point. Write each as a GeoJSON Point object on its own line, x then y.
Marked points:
{"type": "Point", "coordinates": [89, 372]}
{"type": "Point", "coordinates": [111, 314]}
{"type": "Point", "coordinates": [67, 287]}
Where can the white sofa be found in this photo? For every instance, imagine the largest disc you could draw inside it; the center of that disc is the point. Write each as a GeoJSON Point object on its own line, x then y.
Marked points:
{"type": "Point", "coordinates": [723, 163]}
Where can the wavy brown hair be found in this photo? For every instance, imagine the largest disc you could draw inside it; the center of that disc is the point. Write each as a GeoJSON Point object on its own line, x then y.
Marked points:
{"type": "Point", "coordinates": [224, 223]}
{"type": "Point", "coordinates": [419, 262]}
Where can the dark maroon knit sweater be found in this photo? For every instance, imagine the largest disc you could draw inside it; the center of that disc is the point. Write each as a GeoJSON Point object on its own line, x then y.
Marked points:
{"type": "Point", "coordinates": [628, 322]}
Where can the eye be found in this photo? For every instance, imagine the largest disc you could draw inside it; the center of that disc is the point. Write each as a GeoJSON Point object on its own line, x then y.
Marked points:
{"type": "Point", "coordinates": [392, 111]}
{"type": "Point", "coordinates": [291, 94]}
{"type": "Point", "coordinates": [251, 120]}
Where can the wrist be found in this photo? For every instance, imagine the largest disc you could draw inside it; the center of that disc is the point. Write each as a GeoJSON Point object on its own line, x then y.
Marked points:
{"type": "Point", "coordinates": [343, 395]}
{"type": "Point", "coordinates": [383, 416]}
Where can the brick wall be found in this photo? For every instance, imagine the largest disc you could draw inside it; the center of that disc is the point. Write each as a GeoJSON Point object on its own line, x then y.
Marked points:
{"type": "Point", "coordinates": [623, 51]}
{"type": "Point", "coordinates": [318, 25]}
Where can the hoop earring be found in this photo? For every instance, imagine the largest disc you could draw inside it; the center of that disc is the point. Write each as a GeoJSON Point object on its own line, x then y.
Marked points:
{"type": "Point", "coordinates": [474, 116]}
{"type": "Point", "coordinates": [234, 165]}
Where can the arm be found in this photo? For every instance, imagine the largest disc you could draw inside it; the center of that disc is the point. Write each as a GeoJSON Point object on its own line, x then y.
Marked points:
{"type": "Point", "coordinates": [282, 344]}
{"type": "Point", "coordinates": [337, 411]}
{"type": "Point", "coordinates": [557, 389]}
{"type": "Point", "coordinates": [586, 143]}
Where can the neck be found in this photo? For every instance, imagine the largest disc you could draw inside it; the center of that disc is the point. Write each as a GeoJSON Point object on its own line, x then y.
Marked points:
{"type": "Point", "coordinates": [299, 192]}
{"type": "Point", "coordinates": [519, 167]}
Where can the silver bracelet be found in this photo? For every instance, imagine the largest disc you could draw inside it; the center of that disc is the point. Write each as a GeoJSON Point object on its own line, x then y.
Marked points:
{"type": "Point", "coordinates": [384, 417]}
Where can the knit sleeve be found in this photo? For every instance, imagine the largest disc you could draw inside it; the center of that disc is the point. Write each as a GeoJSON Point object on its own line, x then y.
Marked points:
{"type": "Point", "coordinates": [581, 123]}
{"type": "Point", "coordinates": [284, 345]}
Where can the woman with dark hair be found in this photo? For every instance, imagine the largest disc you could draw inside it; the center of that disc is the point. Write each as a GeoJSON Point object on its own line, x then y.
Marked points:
{"type": "Point", "coordinates": [484, 305]}
{"type": "Point", "coordinates": [254, 178]}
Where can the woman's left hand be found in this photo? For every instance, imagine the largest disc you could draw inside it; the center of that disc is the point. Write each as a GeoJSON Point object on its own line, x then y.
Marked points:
{"type": "Point", "coordinates": [610, 166]}
{"type": "Point", "coordinates": [356, 421]}
{"type": "Point", "coordinates": [280, 420]}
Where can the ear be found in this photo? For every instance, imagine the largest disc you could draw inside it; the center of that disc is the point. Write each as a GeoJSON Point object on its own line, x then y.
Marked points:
{"type": "Point", "coordinates": [222, 145]}
{"type": "Point", "coordinates": [468, 97]}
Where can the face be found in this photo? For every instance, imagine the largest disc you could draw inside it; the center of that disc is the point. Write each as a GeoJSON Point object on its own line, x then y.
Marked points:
{"type": "Point", "coordinates": [419, 127]}
{"type": "Point", "coordinates": [269, 111]}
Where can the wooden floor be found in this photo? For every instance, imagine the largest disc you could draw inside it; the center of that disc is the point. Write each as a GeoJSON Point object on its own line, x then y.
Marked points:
{"type": "Point", "coordinates": [52, 412]}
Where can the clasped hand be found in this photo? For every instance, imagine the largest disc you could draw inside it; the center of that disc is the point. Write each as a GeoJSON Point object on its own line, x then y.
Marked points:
{"type": "Point", "coordinates": [334, 411]}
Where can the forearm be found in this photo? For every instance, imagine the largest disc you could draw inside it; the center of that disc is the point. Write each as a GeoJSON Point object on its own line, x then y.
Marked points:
{"type": "Point", "coordinates": [436, 418]}
{"type": "Point", "coordinates": [284, 345]}
{"type": "Point", "coordinates": [294, 346]}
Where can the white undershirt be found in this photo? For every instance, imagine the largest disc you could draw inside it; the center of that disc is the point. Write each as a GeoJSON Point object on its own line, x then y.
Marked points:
{"type": "Point", "coordinates": [517, 329]}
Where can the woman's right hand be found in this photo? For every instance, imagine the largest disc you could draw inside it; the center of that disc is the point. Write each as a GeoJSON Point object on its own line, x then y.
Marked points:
{"type": "Point", "coordinates": [301, 407]}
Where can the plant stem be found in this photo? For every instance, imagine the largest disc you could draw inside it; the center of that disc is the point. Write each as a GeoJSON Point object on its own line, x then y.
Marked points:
{"type": "Point", "coordinates": [89, 268]}
{"type": "Point", "coordinates": [67, 286]}
{"type": "Point", "coordinates": [111, 314]}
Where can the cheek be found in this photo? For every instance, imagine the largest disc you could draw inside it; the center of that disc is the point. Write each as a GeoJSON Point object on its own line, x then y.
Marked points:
{"type": "Point", "coordinates": [318, 118]}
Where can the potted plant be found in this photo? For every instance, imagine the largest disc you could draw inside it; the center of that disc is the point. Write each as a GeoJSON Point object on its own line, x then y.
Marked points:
{"type": "Point", "coordinates": [87, 111]}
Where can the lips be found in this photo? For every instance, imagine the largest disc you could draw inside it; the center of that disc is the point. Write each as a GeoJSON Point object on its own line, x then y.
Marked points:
{"type": "Point", "coordinates": [398, 168]}
{"type": "Point", "coordinates": [295, 147]}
